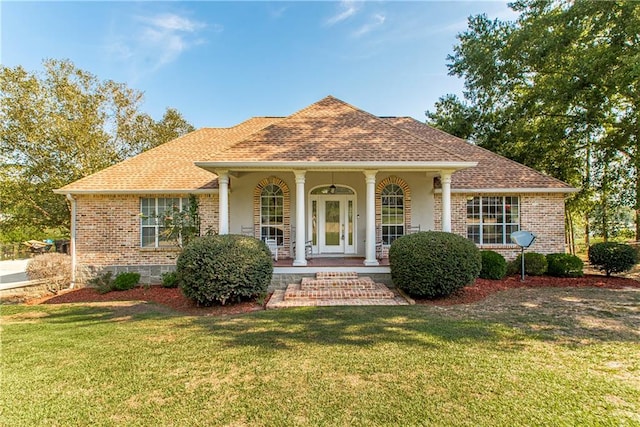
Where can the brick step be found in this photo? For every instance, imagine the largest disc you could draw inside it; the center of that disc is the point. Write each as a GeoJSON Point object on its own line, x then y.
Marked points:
{"type": "Point", "coordinates": [294, 292]}
{"type": "Point", "coordinates": [308, 283]}
{"type": "Point", "coordinates": [336, 275]}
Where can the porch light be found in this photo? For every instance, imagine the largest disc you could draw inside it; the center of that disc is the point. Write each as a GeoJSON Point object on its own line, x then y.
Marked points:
{"type": "Point", "coordinates": [332, 188]}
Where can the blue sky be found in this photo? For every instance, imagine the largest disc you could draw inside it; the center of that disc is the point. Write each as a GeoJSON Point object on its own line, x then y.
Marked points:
{"type": "Point", "coordinates": [220, 63]}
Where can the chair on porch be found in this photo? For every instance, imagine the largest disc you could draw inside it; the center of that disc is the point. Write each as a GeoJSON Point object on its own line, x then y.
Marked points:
{"type": "Point", "coordinates": [273, 247]}
{"type": "Point", "coordinates": [413, 229]}
{"type": "Point", "coordinates": [308, 245]}
{"type": "Point", "coordinates": [247, 230]}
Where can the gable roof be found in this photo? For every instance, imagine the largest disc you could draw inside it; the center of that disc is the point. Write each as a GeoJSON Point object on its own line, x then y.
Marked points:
{"type": "Point", "coordinates": [329, 134]}
{"type": "Point", "coordinates": [333, 131]}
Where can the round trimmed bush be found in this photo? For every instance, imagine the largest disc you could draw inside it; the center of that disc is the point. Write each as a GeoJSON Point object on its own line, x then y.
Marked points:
{"type": "Point", "coordinates": [223, 268]}
{"type": "Point", "coordinates": [611, 257]}
{"type": "Point", "coordinates": [433, 264]}
{"type": "Point", "coordinates": [564, 265]}
{"type": "Point", "coordinates": [535, 264]}
{"type": "Point", "coordinates": [494, 266]}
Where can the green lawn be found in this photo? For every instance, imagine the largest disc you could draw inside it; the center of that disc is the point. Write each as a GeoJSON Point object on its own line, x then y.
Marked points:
{"type": "Point", "coordinates": [524, 357]}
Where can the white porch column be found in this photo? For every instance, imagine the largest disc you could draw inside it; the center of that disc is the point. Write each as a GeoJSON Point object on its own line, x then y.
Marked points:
{"type": "Point", "coordinates": [300, 237]}
{"type": "Point", "coordinates": [223, 201]}
{"type": "Point", "coordinates": [370, 179]}
{"type": "Point", "coordinates": [445, 179]}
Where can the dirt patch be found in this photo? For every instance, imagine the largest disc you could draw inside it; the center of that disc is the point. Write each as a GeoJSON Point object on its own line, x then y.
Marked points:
{"type": "Point", "coordinates": [169, 297]}
{"type": "Point", "coordinates": [483, 288]}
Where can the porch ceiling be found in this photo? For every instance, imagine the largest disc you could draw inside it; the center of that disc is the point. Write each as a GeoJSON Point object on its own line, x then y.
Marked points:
{"type": "Point", "coordinates": [357, 166]}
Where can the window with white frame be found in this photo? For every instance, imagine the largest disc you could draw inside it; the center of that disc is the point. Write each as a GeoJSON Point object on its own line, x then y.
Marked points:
{"type": "Point", "coordinates": [152, 210]}
{"type": "Point", "coordinates": [492, 219]}
{"type": "Point", "coordinates": [392, 213]}
{"type": "Point", "coordinates": [272, 213]}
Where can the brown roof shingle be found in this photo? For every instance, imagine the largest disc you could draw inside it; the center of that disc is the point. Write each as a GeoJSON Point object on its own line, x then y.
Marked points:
{"type": "Point", "coordinates": [170, 166]}
{"type": "Point", "coordinates": [329, 130]}
{"type": "Point", "coordinates": [492, 171]}
{"type": "Point", "coordinates": [332, 130]}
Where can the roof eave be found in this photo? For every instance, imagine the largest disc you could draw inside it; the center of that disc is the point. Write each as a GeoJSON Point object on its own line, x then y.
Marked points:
{"type": "Point", "coordinates": [511, 190]}
{"type": "Point", "coordinates": [327, 165]}
{"type": "Point", "coordinates": [137, 191]}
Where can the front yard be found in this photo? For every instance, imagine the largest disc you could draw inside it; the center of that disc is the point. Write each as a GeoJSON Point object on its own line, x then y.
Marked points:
{"type": "Point", "coordinates": [548, 356]}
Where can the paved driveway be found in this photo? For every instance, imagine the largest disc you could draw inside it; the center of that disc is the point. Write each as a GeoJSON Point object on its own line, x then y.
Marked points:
{"type": "Point", "coordinates": [12, 271]}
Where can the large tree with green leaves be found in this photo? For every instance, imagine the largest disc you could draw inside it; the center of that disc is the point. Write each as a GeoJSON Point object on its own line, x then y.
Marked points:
{"type": "Point", "coordinates": [557, 89]}
{"type": "Point", "coordinates": [60, 125]}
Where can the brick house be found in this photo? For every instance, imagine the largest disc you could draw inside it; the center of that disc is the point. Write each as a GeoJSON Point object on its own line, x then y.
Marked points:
{"type": "Point", "coordinates": [344, 182]}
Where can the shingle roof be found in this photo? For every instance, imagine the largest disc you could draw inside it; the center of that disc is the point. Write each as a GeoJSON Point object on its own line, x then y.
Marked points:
{"type": "Point", "coordinates": [492, 171]}
{"type": "Point", "coordinates": [332, 130]}
{"type": "Point", "coordinates": [328, 131]}
{"type": "Point", "coordinates": [169, 166]}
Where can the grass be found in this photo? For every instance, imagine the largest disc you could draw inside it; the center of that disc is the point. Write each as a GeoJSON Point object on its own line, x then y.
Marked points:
{"type": "Point", "coordinates": [523, 357]}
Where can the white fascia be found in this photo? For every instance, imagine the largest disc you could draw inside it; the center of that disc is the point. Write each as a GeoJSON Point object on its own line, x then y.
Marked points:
{"type": "Point", "coordinates": [343, 166]}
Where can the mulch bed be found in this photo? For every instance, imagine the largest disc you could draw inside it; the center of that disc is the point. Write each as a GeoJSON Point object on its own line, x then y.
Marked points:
{"type": "Point", "coordinates": [483, 287]}
{"type": "Point", "coordinates": [174, 299]}
{"type": "Point", "coordinates": [170, 297]}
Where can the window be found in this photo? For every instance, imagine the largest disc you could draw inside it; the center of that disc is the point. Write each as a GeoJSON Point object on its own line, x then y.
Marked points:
{"type": "Point", "coordinates": [272, 213]}
{"type": "Point", "coordinates": [392, 213]}
{"type": "Point", "coordinates": [492, 219]}
{"type": "Point", "coordinates": [152, 210]}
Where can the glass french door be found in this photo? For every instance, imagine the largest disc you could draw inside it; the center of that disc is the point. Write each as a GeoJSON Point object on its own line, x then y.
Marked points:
{"type": "Point", "coordinates": [332, 224]}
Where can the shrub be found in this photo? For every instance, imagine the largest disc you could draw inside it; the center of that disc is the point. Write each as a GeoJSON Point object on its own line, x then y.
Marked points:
{"type": "Point", "coordinates": [433, 264]}
{"type": "Point", "coordinates": [54, 267]}
{"type": "Point", "coordinates": [170, 279]}
{"type": "Point", "coordinates": [611, 257]}
{"type": "Point", "coordinates": [535, 264]}
{"type": "Point", "coordinates": [222, 268]}
{"type": "Point", "coordinates": [125, 281]}
{"type": "Point", "coordinates": [564, 265]}
{"type": "Point", "coordinates": [494, 266]}
{"type": "Point", "coordinates": [103, 282]}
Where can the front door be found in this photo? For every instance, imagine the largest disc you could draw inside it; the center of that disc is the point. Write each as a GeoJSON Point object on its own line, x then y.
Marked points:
{"type": "Point", "coordinates": [332, 225]}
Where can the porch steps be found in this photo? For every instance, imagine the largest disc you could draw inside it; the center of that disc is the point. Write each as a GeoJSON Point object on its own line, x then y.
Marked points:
{"type": "Point", "coordinates": [335, 288]}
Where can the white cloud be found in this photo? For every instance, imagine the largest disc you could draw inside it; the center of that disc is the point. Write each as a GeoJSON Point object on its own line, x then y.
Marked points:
{"type": "Point", "coordinates": [376, 21]}
{"type": "Point", "coordinates": [164, 37]}
{"type": "Point", "coordinates": [348, 8]}
{"type": "Point", "coordinates": [156, 40]}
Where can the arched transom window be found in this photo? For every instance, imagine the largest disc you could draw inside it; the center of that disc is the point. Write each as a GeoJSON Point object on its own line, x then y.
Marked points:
{"type": "Point", "coordinates": [392, 213]}
{"type": "Point", "coordinates": [272, 213]}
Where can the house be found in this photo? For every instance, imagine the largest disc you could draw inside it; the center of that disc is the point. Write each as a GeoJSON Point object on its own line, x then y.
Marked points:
{"type": "Point", "coordinates": [345, 181]}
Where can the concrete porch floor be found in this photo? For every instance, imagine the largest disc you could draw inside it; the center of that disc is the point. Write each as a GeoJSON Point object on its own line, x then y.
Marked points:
{"type": "Point", "coordinates": [330, 262]}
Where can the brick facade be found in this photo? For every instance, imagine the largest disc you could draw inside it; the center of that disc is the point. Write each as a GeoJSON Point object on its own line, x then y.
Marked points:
{"type": "Point", "coordinates": [540, 213]}
{"type": "Point", "coordinates": [108, 236]}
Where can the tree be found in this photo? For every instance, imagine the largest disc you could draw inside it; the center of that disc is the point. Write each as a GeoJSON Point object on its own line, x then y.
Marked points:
{"type": "Point", "coordinates": [558, 91]}
{"type": "Point", "coordinates": [59, 126]}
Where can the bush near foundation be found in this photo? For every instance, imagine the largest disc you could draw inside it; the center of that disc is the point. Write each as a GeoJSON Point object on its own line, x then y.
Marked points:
{"type": "Point", "coordinates": [494, 266]}
{"type": "Point", "coordinates": [611, 257]}
{"type": "Point", "coordinates": [224, 268]}
{"type": "Point", "coordinates": [54, 267]}
{"type": "Point", "coordinates": [564, 265]}
{"type": "Point", "coordinates": [535, 264]}
{"type": "Point", "coordinates": [433, 264]}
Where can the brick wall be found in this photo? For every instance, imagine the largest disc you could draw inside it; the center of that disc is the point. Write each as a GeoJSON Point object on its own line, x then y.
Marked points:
{"type": "Point", "coordinates": [108, 236]}
{"type": "Point", "coordinates": [542, 214]}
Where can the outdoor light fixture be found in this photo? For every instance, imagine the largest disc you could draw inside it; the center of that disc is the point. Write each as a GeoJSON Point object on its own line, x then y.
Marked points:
{"type": "Point", "coordinates": [332, 188]}
{"type": "Point", "coordinates": [524, 239]}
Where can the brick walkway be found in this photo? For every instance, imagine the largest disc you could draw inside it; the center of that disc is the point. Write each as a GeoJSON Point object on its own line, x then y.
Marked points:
{"type": "Point", "coordinates": [333, 289]}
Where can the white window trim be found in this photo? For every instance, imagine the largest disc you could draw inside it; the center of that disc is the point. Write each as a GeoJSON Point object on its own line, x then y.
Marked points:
{"type": "Point", "coordinates": [505, 238]}
{"type": "Point", "coordinates": [157, 225]}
